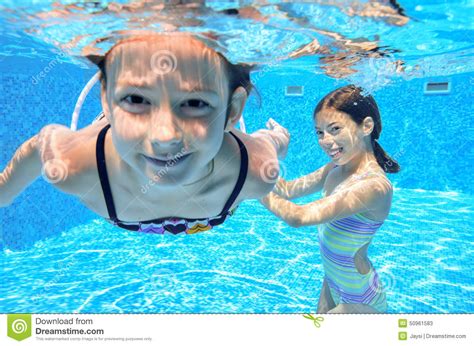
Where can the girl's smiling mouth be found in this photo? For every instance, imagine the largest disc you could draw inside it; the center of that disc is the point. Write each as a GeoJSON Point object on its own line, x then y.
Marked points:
{"type": "Point", "coordinates": [335, 153]}
{"type": "Point", "coordinates": [171, 161]}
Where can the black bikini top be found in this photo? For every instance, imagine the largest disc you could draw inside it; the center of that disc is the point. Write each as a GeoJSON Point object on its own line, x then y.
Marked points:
{"type": "Point", "coordinates": [172, 225]}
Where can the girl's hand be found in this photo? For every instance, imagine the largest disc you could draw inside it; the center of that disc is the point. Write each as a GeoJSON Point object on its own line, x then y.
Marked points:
{"type": "Point", "coordinates": [280, 187]}
{"type": "Point", "coordinates": [282, 136]}
{"type": "Point", "coordinates": [273, 125]}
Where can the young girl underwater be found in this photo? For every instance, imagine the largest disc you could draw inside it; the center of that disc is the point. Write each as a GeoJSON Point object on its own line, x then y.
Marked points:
{"type": "Point", "coordinates": [166, 156]}
{"type": "Point", "coordinates": [356, 200]}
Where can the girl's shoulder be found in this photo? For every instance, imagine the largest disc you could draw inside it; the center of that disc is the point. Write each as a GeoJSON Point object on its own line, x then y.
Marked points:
{"type": "Point", "coordinates": [374, 180]}
{"type": "Point", "coordinates": [68, 156]}
{"type": "Point", "coordinates": [379, 189]}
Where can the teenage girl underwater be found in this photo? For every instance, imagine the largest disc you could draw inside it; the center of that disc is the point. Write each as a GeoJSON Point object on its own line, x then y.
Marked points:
{"type": "Point", "coordinates": [357, 197]}
{"type": "Point", "coordinates": [166, 156]}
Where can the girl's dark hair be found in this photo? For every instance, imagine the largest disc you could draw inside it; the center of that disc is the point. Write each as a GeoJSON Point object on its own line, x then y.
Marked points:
{"type": "Point", "coordinates": [350, 100]}
{"type": "Point", "coordinates": [238, 74]}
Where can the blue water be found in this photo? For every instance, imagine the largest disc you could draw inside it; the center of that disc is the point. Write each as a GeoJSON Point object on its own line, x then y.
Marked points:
{"type": "Point", "coordinates": [254, 263]}
{"type": "Point", "coordinates": [59, 257]}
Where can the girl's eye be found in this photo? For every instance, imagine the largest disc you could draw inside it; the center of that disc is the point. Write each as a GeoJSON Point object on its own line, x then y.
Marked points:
{"type": "Point", "coordinates": [135, 100]}
{"type": "Point", "coordinates": [335, 129]}
{"type": "Point", "coordinates": [135, 104]}
{"type": "Point", "coordinates": [196, 108]}
{"type": "Point", "coordinates": [195, 103]}
{"type": "Point", "coordinates": [319, 133]}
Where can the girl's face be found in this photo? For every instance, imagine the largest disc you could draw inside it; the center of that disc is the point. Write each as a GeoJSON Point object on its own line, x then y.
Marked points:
{"type": "Point", "coordinates": [340, 137]}
{"type": "Point", "coordinates": [166, 100]}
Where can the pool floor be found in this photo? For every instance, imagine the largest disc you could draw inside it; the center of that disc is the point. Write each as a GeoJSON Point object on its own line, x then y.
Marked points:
{"type": "Point", "coordinates": [254, 263]}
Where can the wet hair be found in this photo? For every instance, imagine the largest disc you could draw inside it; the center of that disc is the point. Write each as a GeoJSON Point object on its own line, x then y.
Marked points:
{"type": "Point", "coordinates": [351, 100]}
{"type": "Point", "coordinates": [238, 74]}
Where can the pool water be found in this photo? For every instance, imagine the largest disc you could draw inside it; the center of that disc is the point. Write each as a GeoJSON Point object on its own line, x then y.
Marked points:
{"type": "Point", "coordinates": [252, 264]}
{"type": "Point", "coordinates": [58, 257]}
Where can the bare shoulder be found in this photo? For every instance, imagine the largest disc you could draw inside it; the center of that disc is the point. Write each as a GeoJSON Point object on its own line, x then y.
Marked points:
{"type": "Point", "coordinates": [379, 192]}
{"type": "Point", "coordinates": [374, 185]}
{"type": "Point", "coordinates": [263, 166]}
{"type": "Point", "coordinates": [67, 156]}
{"type": "Point", "coordinates": [380, 184]}
{"type": "Point", "coordinates": [373, 188]}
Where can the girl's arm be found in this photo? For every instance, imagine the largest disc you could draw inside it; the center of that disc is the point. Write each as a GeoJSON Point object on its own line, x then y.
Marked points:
{"type": "Point", "coordinates": [366, 195]}
{"type": "Point", "coordinates": [24, 168]}
{"type": "Point", "coordinates": [305, 185]}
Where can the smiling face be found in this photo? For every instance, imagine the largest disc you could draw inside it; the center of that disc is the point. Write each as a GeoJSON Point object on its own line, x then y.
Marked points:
{"type": "Point", "coordinates": [166, 99]}
{"type": "Point", "coordinates": [341, 138]}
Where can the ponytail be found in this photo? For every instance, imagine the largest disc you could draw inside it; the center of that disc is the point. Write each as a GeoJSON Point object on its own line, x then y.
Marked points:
{"type": "Point", "coordinates": [388, 164]}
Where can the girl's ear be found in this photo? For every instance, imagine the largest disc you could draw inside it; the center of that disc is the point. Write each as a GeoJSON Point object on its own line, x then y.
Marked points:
{"type": "Point", "coordinates": [237, 104]}
{"type": "Point", "coordinates": [368, 125]}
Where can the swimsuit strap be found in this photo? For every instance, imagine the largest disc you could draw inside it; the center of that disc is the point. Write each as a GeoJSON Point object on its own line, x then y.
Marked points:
{"type": "Point", "coordinates": [244, 165]}
{"type": "Point", "coordinates": [104, 179]}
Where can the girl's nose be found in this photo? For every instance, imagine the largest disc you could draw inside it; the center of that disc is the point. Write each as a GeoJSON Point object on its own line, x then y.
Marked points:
{"type": "Point", "coordinates": [164, 131]}
{"type": "Point", "coordinates": [327, 141]}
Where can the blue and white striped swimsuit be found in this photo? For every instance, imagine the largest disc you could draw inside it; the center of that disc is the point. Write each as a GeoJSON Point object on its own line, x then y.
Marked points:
{"type": "Point", "coordinates": [339, 241]}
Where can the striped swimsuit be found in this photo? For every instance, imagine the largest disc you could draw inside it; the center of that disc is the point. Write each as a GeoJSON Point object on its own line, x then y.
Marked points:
{"type": "Point", "coordinates": [339, 241]}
